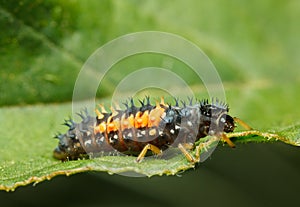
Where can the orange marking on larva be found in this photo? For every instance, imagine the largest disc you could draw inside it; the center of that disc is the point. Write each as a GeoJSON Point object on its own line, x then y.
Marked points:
{"type": "Point", "coordinates": [151, 121]}
{"type": "Point", "coordinates": [96, 129]}
{"type": "Point", "coordinates": [162, 101]}
{"type": "Point", "coordinates": [127, 123]}
{"type": "Point", "coordinates": [157, 104]}
{"type": "Point", "coordinates": [110, 127]}
{"type": "Point", "coordinates": [137, 120]}
{"type": "Point", "coordinates": [102, 108]}
{"type": "Point", "coordinates": [112, 124]}
{"type": "Point", "coordinates": [113, 111]}
{"type": "Point", "coordinates": [131, 121]}
{"type": "Point", "coordinates": [102, 127]}
{"type": "Point", "coordinates": [141, 119]}
{"type": "Point", "coordinates": [99, 114]}
{"type": "Point", "coordinates": [152, 118]}
{"type": "Point", "coordinates": [145, 118]}
{"type": "Point", "coordinates": [156, 115]}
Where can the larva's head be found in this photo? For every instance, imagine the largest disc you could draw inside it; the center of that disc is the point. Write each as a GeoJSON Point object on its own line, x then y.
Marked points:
{"type": "Point", "coordinates": [214, 118]}
{"type": "Point", "coordinates": [229, 124]}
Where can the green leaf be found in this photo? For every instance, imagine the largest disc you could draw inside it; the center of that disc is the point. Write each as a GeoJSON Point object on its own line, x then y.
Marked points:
{"type": "Point", "coordinates": [254, 50]}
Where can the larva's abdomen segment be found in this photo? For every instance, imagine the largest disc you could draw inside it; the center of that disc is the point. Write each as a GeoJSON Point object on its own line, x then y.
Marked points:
{"type": "Point", "coordinates": [129, 141]}
{"type": "Point", "coordinates": [130, 132]}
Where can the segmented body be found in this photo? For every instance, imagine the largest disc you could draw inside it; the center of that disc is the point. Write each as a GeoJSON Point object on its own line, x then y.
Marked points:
{"type": "Point", "coordinates": [129, 131]}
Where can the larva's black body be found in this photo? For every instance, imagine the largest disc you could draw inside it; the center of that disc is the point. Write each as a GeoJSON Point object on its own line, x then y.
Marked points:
{"type": "Point", "coordinates": [132, 130]}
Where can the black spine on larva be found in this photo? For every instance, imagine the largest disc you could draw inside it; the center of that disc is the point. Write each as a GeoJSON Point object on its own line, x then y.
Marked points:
{"type": "Point", "coordinates": [144, 107]}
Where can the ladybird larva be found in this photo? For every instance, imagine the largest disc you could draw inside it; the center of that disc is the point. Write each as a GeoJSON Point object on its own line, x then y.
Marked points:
{"type": "Point", "coordinates": [139, 129]}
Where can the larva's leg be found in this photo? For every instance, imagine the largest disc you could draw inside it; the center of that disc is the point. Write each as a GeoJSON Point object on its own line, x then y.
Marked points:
{"type": "Point", "coordinates": [187, 154]}
{"type": "Point", "coordinates": [151, 147]}
{"type": "Point", "coordinates": [242, 123]}
{"type": "Point", "coordinates": [194, 159]}
{"type": "Point", "coordinates": [226, 139]}
{"type": "Point", "coordinates": [184, 148]}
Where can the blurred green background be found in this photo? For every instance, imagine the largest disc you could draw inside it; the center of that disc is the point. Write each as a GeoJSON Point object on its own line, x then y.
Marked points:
{"type": "Point", "coordinates": [254, 46]}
